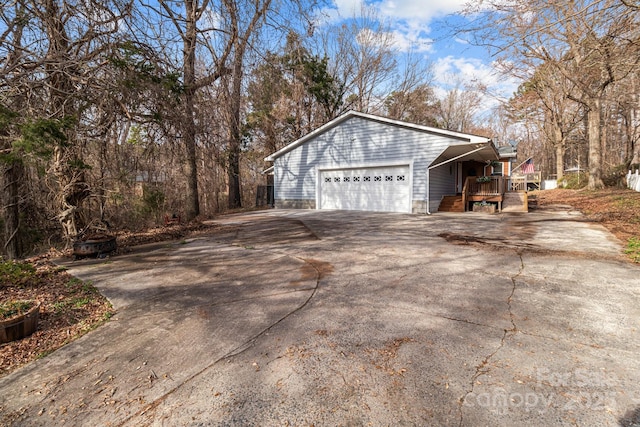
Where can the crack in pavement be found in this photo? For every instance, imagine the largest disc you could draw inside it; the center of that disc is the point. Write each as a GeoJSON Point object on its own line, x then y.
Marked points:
{"type": "Point", "coordinates": [235, 351]}
{"type": "Point", "coordinates": [440, 316]}
{"type": "Point", "coordinates": [483, 368]}
{"type": "Point", "coordinates": [520, 247]}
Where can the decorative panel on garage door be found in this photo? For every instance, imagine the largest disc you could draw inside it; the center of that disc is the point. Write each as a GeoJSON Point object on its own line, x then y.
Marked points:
{"type": "Point", "coordinates": [381, 189]}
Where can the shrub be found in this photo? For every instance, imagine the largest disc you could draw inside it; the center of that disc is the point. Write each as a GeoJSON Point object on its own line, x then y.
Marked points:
{"type": "Point", "coordinates": [574, 181]}
{"type": "Point", "coordinates": [15, 273]}
{"type": "Point", "coordinates": [633, 249]}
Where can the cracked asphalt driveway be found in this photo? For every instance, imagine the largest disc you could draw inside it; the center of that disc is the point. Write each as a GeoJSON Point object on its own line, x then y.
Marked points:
{"type": "Point", "coordinates": [351, 318]}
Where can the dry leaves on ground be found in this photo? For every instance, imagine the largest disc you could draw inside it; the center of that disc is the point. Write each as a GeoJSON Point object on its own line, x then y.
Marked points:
{"type": "Point", "coordinates": [69, 307]}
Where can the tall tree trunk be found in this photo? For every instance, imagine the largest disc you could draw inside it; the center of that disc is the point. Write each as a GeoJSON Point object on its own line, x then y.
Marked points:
{"type": "Point", "coordinates": [73, 189]}
{"type": "Point", "coordinates": [12, 168]}
{"type": "Point", "coordinates": [12, 174]}
{"type": "Point", "coordinates": [630, 115]}
{"type": "Point", "coordinates": [560, 148]}
{"type": "Point", "coordinates": [192, 208]}
{"type": "Point", "coordinates": [594, 131]}
{"type": "Point", "coordinates": [235, 135]}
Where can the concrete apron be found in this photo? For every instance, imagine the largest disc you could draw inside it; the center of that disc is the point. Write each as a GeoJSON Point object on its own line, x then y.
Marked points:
{"type": "Point", "coordinates": [343, 318]}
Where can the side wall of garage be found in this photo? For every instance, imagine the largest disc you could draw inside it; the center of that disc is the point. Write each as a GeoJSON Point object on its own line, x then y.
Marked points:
{"type": "Point", "coordinates": [361, 143]}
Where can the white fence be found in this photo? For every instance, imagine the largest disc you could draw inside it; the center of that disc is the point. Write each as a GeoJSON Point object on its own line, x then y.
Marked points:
{"type": "Point", "coordinates": [633, 180]}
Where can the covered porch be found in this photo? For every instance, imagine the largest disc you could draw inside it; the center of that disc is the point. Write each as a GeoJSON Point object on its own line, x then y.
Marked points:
{"type": "Point", "coordinates": [479, 176]}
{"type": "Point", "coordinates": [498, 190]}
{"type": "Point", "coordinates": [465, 163]}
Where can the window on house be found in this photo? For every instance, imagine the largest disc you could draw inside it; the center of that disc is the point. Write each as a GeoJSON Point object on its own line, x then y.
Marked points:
{"type": "Point", "coordinates": [496, 168]}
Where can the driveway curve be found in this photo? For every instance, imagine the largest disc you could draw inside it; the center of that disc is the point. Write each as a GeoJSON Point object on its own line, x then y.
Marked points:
{"type": "Point", "coordinates": [350, 318]}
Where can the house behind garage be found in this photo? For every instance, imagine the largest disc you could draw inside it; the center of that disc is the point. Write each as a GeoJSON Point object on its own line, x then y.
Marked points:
{"type": "Point", "coordinates": [365, 162]}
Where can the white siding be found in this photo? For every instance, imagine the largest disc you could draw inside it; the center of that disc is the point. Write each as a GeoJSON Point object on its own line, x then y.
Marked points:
{"type": "Point", "coordinates": [362, 142]}
{"type": "Point", "coordinates": [443, 183]}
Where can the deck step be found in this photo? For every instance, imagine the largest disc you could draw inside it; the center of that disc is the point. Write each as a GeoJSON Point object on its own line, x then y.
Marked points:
{"type": "Point", "coordinates": [515, 201]}
{"type": "Point", "coordinates": [451, 204]}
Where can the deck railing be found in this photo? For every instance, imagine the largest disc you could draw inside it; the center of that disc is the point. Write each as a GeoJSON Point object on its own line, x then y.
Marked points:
{"type": "Point", "coordinates": [520, 182]}
{"type": "Point", "coordinates": [495, 186]}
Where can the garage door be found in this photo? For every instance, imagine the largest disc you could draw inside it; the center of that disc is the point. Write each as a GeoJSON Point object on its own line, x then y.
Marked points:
{"type": "Point", "coordinates": [381, 189]}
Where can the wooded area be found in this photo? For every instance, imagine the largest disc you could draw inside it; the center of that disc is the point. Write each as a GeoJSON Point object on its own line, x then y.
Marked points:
{"type": "Point", "coordinates": [116, 113]}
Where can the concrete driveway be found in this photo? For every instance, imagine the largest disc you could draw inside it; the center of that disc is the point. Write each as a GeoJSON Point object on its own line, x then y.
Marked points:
{"type": "Point", "coordinates": [344, 318]}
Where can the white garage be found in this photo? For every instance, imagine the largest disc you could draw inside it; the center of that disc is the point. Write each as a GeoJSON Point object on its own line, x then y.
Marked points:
{"type": "Point", "coordinates": [364, 162]}
{"type": "Point", "coordinates": [379, 189]}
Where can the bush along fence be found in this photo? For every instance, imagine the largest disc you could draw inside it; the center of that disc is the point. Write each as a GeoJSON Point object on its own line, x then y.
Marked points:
{"type": "Point", "coordinates": [633, 180]}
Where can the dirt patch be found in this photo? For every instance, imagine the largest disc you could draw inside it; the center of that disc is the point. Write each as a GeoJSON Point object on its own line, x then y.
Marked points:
{"type": "Point", "coordinates": [382, 358]}
{"type": "Point", "coordinates": [491, 243]}
{"type": "Point", "coordinates": [128, 240]}
{"type": "Point", "coordinates": [313, 269]}
{"type": "Point", "coordinates": [520, 247]}
{"type": "Point", "coordinates": [323, 268]}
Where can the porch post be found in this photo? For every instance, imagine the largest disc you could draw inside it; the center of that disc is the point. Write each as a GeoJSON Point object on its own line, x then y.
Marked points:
{"type": "Point", "coordinates": [428, 211]}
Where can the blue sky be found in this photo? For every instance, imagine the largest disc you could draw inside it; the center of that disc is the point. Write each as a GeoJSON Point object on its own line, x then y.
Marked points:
{"type": "Point", "coordinates": [425, 26]}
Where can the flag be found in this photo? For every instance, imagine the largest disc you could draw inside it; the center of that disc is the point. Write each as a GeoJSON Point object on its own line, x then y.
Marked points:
{"type": "Point", "coordinates": [527, 167]}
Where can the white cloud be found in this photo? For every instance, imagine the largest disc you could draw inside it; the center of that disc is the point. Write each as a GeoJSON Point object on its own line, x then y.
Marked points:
{"type": "Point", "coordinates": [420, 26]}
{"type": "Point", "coordinates": [472, 71]}
{"type": "Point", "coordinates": [410, 19]}
{"type": "Point", "coordinates": [414, 42]}
{"type": "Point", "coordinates": [451, 71]}
{"type": "Point", "coordinates": [341, 9]}
{"type": "Point", "coordinates": [414, 10]}
{"type": "Point", "coordinates": [423, 10]}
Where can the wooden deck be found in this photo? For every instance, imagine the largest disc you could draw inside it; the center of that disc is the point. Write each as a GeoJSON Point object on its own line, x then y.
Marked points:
{"type": "Point", "coordinates": [491, 191]}
{"type": "Point", "coordinates": [494, 190]}
{"type": "Point", "coordinates": [525, 182]}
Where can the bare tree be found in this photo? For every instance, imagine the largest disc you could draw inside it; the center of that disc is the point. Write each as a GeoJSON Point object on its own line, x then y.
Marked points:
{"type": "Point", "coordinates": [199, 39]}
{"type": "Point", "coordinates": [587, 42]}
{"type": "Point", "coordinates": [54, 73]}
{"type": "Point", "coordinates": [545, 98]}
{"type": "Point", "coordinates": [244, 20]}
{"type": "Point", "coordinates": [364, 59]}
{"type": "Point", "coordinates": [10, 161]}
{"type": "Point", "coordinates": [456, 110]}
{"type": "Point", "coordinates": [413, 98]}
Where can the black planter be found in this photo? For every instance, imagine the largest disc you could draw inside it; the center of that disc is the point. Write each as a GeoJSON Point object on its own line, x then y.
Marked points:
{"type": "Point", "coordinates": [95, 246]}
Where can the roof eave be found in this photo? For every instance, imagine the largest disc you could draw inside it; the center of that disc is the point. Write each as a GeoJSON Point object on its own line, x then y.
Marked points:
{"type": "Point", "coordinates": [309, 136]}
{"type": "Point", "coordinates": [473, 139]}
